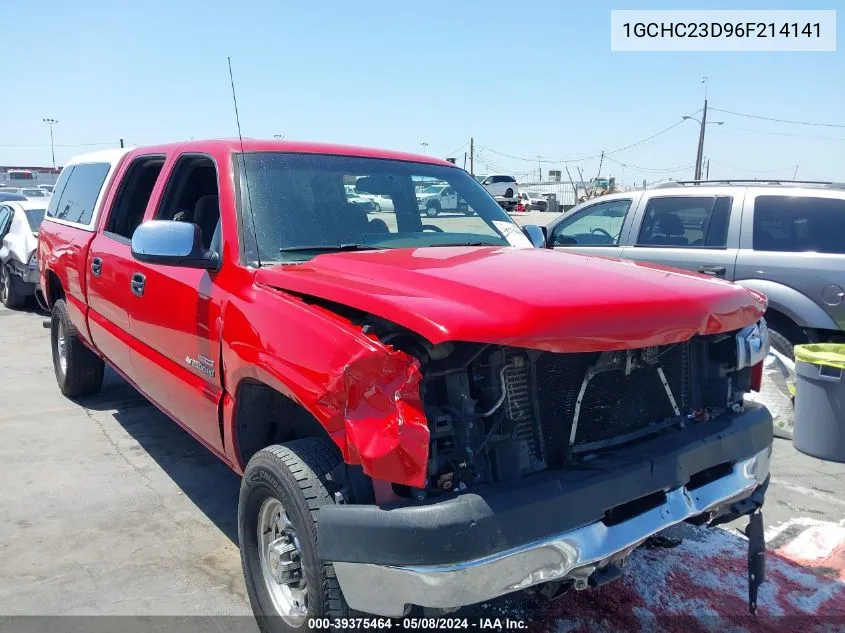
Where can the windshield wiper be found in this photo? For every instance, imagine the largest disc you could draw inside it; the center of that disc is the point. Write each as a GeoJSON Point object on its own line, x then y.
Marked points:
{"type": "Point", "coordinates": [329, 247]}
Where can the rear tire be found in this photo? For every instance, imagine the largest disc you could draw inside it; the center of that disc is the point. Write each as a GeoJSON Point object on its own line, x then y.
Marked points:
{"type": "Point", "coordinates": [781, 344]}
{"type": "Point", "coordinates": [509, 193]}
{"type": "Point", "coordinates": [79, 371]}
{"type": "Point", "coordinates": [10, 295]}
{"type": "Point", "coordinates": [294, 477]}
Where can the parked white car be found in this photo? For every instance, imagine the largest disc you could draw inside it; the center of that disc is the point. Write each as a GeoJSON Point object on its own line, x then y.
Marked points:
{"type": "Point", "coordinates": [436, 198]}
{"type": "Point", "coordinates": [499, 186]}
{"type": "Point", "coordinates": [19, 224]}
{"type": "Point", "coordinates": [533, 201]}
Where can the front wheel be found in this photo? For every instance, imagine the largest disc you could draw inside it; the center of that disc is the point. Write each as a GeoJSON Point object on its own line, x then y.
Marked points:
{"type": "Point", "coordinates": [432, 210]}
{"type": "Point", "coordinates": [282, 490]}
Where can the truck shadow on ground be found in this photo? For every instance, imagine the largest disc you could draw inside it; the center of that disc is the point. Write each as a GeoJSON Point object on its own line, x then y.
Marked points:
{"type": "Point", "coordinates": [201, 476]}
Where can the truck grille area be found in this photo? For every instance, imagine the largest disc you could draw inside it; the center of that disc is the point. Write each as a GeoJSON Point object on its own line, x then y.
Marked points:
{"type": "Point", "coordinates": [616, 406]}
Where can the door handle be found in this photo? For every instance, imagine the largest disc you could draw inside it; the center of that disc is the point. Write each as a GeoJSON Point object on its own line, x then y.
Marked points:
{"type": "Point", "coordinates": [96, 266]}
{"type": "Point", "coordinates": [138, 282]}
{"type": "Point", "coordinates": [712, 270]}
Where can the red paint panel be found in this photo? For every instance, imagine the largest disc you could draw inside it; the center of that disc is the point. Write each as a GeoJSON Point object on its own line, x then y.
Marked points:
{"type": "Point", "coordinates": [63, 250]}
{"type": "Point", "coordinates": [526, 298]}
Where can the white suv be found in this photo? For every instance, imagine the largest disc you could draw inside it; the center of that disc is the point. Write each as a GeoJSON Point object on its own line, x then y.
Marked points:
{"type": "Point", "coordinates": [498, 185]}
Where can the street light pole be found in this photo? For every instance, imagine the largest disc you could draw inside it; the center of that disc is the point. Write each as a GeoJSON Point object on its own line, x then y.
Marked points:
{"type": "Point", "coordinates": [278, 136]}
{"type": "Point", "coordinates": [50, 123]}
{"type": "Point", "coordinates": [424, 146]}
{"type": "Point", "coordinates": [699, 154]}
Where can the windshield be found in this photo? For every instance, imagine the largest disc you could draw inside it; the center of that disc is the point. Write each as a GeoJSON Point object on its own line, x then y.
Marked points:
{"type": "Point", "coordinates": [299, 207]}
{"type": "Point", "coordinates": [34, 217]}
{"type": "Point", "coordinates": [434, 189]}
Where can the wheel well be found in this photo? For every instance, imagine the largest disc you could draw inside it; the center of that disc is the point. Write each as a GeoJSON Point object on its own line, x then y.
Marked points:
{"type": "Point", "coordinates": [263, 416]}
{"type": "Point", "coordinates": [779, 322]}
{"type": "Point", "coordinates": [55, 291]}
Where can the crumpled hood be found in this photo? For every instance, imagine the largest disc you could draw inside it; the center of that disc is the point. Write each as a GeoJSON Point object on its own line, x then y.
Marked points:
{"type": "Point", "coordinates": [532, 298]}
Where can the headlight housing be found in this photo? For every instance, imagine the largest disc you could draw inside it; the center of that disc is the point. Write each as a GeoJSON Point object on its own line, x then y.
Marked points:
{"type": "Point", "coordinates": [752, 344]}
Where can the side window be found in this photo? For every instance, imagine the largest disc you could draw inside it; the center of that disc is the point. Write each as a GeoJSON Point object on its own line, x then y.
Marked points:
{"type": "Point", "coordinates": [191, 195]}
{"type": "Point", "coordinates": [799, 224]}
{"type": "Point", "coordinates": [132, 197]}
{"type": "Point", "coordinates": [5, 220]}
{"type": "Point", "coordinates": [686, 221]}
{"type": "Point", "coordinates": [79, 191]}
{"type": "Point", "coordinates": [597, 225]}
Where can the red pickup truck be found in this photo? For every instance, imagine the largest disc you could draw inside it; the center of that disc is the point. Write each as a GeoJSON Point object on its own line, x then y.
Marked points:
{"type": "Point", "coordinates": [427, 412]}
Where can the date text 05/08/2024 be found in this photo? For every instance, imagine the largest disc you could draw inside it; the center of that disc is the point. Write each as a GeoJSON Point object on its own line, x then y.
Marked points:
{"type": "Point", "coordinates": [410, 624]}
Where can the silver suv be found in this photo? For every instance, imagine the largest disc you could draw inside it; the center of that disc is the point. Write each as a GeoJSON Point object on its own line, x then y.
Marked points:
{"type": "Point", "coordinates": [784, 238]}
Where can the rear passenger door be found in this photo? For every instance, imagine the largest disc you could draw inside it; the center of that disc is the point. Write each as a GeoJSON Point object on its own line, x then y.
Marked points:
{"type": "Point", "coordinates": [175, 311]}
{"type": "Point", "coordinates": [110, 261]}
{"type": "Point", "coordinates": [690, 232]}
{"type": "Point", "coordinates": [596, 229]}
{"type": "Point", "coordinates": [795, 242]}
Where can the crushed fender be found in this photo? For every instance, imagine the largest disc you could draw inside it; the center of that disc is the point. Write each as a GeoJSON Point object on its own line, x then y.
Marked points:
{"type": "Point", "coordinates": [385, 428]}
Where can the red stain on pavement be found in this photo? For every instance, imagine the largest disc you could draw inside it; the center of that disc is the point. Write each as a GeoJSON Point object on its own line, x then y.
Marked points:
{"type": "Point", "coordinates": [701, 587]}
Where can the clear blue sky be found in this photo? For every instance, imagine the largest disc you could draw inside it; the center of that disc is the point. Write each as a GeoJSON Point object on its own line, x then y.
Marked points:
{"type": "Point", "coordinates": [524, 78]}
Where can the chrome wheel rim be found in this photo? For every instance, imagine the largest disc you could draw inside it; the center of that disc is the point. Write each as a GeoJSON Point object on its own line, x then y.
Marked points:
{"type": "Point", "coordinates": [61, 347]}
{"type": "Point", "coordinates": [281, 563]}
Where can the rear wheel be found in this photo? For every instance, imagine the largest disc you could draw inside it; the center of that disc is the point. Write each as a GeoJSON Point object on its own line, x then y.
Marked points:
{"type": "Point", "coordinates": [282, 490]}
{"type": "Point", "coordinates": [10, 295]}
{"type": "Point", "coordinates": [509, 193]}
{"type": "Point", "coordinates": [781, 344]}
{"type": "Point", "coordinates": [79, 371]}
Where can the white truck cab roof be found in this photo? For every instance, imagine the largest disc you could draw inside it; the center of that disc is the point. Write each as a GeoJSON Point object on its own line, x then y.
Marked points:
{"type": "Point", "coordinates": [94, 168]}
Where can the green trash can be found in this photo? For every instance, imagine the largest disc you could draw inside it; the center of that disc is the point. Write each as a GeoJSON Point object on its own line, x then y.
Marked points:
{"type": "Point", "coordinates": [819, 427]}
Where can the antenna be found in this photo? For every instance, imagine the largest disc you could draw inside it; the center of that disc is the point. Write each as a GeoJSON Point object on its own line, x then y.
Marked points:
{"type": "Point", "coordinates": [243, 158]}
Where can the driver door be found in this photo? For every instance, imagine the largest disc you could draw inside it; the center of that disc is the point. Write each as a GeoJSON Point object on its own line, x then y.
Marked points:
{"type": "Point", "coordinates": [449, 199]}
{"type": "Point", "coordinates": [597, 229]}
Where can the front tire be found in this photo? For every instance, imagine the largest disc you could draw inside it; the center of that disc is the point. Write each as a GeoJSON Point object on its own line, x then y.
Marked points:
{"type": "Point", "coordinates": [432, 210]}
{"type": "Point", "coordinates": [282, 490]}
{"type": "Point", "coordinates": [781, 344]}
{"type": "Point", "coordinates": [10, 296]}
{"type": "Point", "coordinates": [79, 371]}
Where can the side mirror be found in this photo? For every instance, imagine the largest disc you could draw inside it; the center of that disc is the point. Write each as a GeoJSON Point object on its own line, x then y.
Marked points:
{"type": "Point", "coordinates": [535, 234]}
{"type": "Point", "coordinates": [172, 243]}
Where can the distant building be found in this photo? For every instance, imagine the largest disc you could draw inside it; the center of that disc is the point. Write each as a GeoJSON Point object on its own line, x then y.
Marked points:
{"type": "Point", "coordinates": [21, 176]}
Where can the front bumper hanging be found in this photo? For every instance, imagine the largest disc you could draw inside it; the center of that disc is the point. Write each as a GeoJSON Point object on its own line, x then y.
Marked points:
{"type": "Point", "coordinates": [442, 563]}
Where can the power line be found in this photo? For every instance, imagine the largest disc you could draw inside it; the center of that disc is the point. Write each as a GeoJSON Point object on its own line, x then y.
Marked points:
{"type": "Point", "coordinates": [455, 151]}
{"type": "Point", "coordinates": [61, 144]}
{"type": "Point", "coordinates": [752, 171]}
{"type": "Point", "coordinates": [665, 170]}
{"type": "Point", "coordinates": [582, 158]}
{"type": "Point", "coordinates": [767, 132]}
{"type": "Point", "coordinates": [766, 118]}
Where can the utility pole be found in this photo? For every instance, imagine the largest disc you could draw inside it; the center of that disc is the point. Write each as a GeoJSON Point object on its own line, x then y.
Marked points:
{"type": "Point", "coordinates": [583, 184]}
{"type": "Point", "coordinates": [700, 152]}
{"type": "Point", "coordinates": [51, 122]}
{"type": "Point", "coordinates": [795, 175]}
{"type": "Point", "coordinates": [708, 170]}
{"type": "Point", "coordinates": [539, 170]}
{"type": "Point", "coordinates": [121, 143]}
{"type": "Point", "coordinates": [465, 161]}
{"type": "Point", "coordinates": [601, 160]}
{"type": "Point", "coordinates": [574, 189]}
{"type": "Point", "coordinates": [472, 156]}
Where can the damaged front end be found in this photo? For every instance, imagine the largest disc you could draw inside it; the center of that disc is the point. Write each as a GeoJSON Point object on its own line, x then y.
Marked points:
{"type": "Point", "coordinates": [512, 467]}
